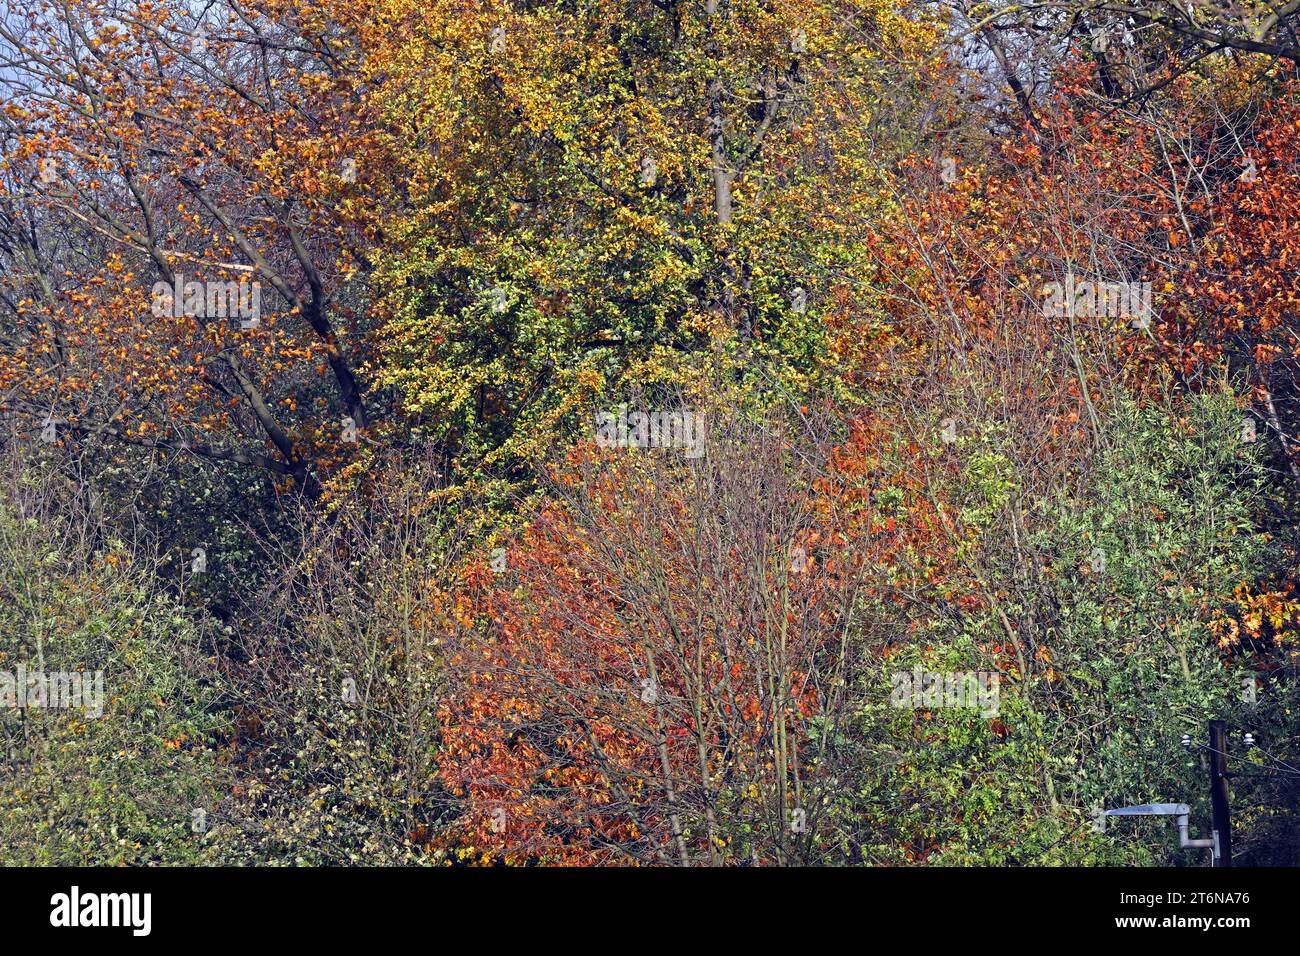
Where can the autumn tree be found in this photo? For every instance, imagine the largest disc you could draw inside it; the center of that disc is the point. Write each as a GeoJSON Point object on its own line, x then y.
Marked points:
{"type": "Point", "coordinates": [663, 666]}
{"type": "Point", "coordinates": [150, 146]}
{"type": "Point", "coordinates": [591, 195]}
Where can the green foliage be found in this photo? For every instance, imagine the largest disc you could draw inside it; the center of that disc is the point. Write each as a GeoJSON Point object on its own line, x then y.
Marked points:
{"type": "Point", "coordinates": [953, 785]}
{"type": "Point", "coordinates": [120, 788]}
{"type": "Point", "coordinates": [1112, 633]}
{"type": "Point", "coordinates": [1164, 533]}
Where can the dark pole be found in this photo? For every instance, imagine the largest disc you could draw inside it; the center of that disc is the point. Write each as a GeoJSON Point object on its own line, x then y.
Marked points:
{"type": "Point", "coordinates": [1219, 790]}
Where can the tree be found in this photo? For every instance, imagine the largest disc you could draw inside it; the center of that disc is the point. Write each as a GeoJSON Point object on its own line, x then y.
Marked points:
{"type": "Point", "coordinates": [590, 195]}
{"type": "Point", "coordinates": [148, 148]}
{"type": "Point", "coordinates": [666, 668]}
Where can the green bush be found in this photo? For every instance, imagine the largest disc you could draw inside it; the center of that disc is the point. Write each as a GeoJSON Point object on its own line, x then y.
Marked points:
{"type": "Point", "coordinates": [138, 784]}
{"type": "Point", "coordinates": [1112, 627]}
